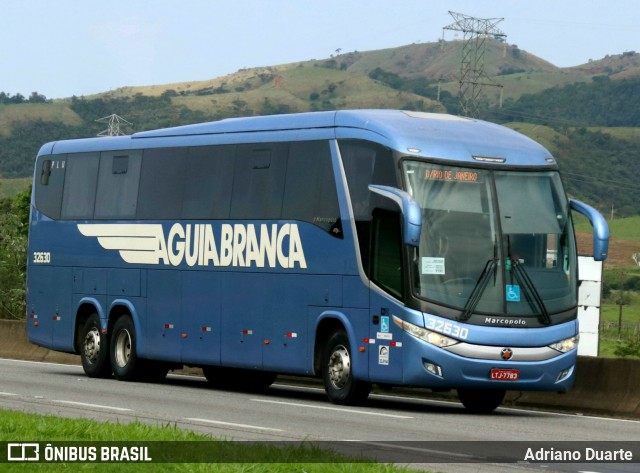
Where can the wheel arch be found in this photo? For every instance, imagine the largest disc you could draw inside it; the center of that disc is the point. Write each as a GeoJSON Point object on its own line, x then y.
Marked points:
{"type": "Point", "coordinates": [86, 307]}
{"type": "Point", "coordinates": [326, 324]}
{"type": "Point", "coordinates": [124, 307]}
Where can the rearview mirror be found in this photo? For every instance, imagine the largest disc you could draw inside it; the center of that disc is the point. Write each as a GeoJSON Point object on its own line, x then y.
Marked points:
{"type": "Point", "coordinates": [411, 213]}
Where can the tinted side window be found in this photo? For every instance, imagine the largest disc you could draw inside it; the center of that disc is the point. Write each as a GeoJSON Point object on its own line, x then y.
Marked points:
{"type": "Point", "coordinates": [162, 183]}
{"type": "Point", "coordinates": [386, 252]}
{"type": "Point", "coordinates": [258, 181]}
{"type": "Point", "coordinates": [209, 178]}
{"type": "Point", "coordinates": [80, 186]}
{"type": "Point", "coordinates": [310, 187]}
{"type": "Point", "coordinates": [366, 163]}
{"type": "Point", "coordinates": [49, 182]}
{"type": "Point", "coordinates": [118, 180]}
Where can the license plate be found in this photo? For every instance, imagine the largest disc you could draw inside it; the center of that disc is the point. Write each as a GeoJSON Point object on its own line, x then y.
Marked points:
{"type": "Point", "coordinates": [501, 374]}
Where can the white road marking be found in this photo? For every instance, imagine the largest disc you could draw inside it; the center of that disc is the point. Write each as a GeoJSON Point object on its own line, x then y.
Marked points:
{"type": "Point", "coordinates": [417, 449]}
{"type": "Point", "coordinates": [232, 424]}
{"type": "Point", "coordinates": [97, 406]}
{"type": "Point", "coordinates": [7, 394]}
{"type": "Point", "coordinates": [328, 408]}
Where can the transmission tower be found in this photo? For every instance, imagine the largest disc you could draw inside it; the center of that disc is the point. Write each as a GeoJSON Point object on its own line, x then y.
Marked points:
{"type": "Point", "coordinates": [472, 74]}
{"type": "Point", "coordinates": [114, 122]}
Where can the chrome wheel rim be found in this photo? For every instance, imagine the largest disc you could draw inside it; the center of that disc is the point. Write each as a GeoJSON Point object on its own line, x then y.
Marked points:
{"type": "Point", "coordinates": [339, 367]}
{"type": "Point", "coordinates": [123, 348]}
{"type": "Point", "coordinates": [92, 345]}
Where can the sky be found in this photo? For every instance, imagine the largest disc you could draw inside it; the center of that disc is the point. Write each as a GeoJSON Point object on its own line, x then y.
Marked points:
{"type": "Point", "coordinates": [61, 48]}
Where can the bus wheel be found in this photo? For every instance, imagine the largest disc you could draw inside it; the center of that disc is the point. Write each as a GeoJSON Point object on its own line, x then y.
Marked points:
{"type": "Point", "coordinates": [481, 401]}
{"type": "Point", "coordinates": [124, 360]}
{"type": "Point", "coordinates": [94, 349]}
{"type": "Point", "coordinates": [339, 383]}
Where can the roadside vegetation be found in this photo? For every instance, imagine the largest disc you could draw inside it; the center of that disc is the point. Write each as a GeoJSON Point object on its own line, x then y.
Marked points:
{"type": "Point", "coordinates": [239, 457]}
{"type": "Point", "coordinates": [14, 228]}
{"type": "Point", "coordinates": [620, 315]}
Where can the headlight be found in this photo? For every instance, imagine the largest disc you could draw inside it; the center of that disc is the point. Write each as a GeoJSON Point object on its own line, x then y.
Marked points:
{"type": "Point", "coordinates": [568, 344]}
{"type": "Point", "coordinates": [434, 338]}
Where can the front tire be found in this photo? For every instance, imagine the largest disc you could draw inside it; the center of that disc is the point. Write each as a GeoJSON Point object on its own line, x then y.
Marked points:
{"type": "Point", "coordinates": [481, 401]}
{"type": "Point", "coordinates": [339, 384]}
{"type": "Point", "coordinates": [94, 349]}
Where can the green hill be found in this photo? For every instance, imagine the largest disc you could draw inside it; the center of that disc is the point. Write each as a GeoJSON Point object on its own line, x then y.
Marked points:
{"type": "Point", "coordinates": [588, 116]}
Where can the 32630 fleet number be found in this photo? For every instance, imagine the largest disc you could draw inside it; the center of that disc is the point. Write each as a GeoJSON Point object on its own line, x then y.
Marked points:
{"type": "Point", "coordinates": [448, 328]}
{"type": "Point", "coordinates": [41, 257]}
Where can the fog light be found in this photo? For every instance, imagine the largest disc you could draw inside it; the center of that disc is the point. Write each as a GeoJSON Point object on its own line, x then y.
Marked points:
{"type": "Point", "coordinates": [433, 368]}
{"type": "Point", "coordinates": [564, 374]}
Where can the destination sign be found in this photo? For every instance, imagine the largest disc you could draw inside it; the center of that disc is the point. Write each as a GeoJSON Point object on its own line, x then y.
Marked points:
{"type": "Point", "coordinates": [457, 175]}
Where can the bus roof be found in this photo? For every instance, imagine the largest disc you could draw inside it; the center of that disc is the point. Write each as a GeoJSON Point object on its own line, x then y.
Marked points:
{"type": "Point", "coordinates": [420, 134]}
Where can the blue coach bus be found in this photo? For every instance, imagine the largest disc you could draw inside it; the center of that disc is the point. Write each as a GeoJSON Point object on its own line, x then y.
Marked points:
{"type": "Point", "coordinates": [364, 247]}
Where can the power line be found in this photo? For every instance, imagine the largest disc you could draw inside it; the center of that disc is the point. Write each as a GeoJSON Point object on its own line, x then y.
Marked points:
{"type": "Point", "coordinates": [560, 121]}
{"type": "Point", "coordinates": [603, 182]}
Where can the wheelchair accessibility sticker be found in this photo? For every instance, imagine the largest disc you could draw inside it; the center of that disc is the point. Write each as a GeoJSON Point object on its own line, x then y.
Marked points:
{"type": "Point", "coordinates": [513, 293]}
{"type": "Point", "coordinates": [384, 324]}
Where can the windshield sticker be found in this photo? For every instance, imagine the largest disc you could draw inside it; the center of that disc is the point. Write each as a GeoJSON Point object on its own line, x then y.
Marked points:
{"type": "Point", "coordinates": [432, 265]}
{"type": "Point", "coordinates": [513, 293]}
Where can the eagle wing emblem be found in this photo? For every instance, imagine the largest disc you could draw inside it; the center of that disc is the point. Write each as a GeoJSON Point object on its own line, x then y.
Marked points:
{"type": "Point", "coordinates": [136, 243]}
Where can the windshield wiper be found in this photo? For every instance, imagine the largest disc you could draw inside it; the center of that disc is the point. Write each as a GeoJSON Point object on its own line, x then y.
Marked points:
{"type": "Point", "coordinates": [488, 271]}
{"type": "Point", "coordinates": [530, 292]}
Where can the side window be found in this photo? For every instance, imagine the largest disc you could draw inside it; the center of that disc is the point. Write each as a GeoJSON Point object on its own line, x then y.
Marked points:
{"type": "Point", "coordinates": [209, 177]}
{"type": "Point", "coordinates": [258, 181]}
{"type": "Point", "coordinates": [310, 188]}
{"type": "Point", "coordinates": [118, 180]}
{"type": "Point", "coordinates": [49, 181]}
{"type": "Point", "coordinates": [386, 252]}
{"type": "Point", "coordinates": [162, 183]}
{"type": "Point", "coordinates": [79, 193]}
{"type": "Point", "coordinates": [366, 163]}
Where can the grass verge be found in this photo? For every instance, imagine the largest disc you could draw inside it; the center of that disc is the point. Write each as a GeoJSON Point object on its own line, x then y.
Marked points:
{"type": "Point", "coordinates": [23, 427]}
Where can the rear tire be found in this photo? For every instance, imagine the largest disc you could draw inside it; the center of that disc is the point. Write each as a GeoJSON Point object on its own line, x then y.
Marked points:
{"type": "Point", "coordinates": [94, 349]}
{"type": "Point", "coordinates": [481, 401]}
{"type": "Point", "coordinates": [339, 384]}
{"type": "Point", "coordinates": [124, 359]}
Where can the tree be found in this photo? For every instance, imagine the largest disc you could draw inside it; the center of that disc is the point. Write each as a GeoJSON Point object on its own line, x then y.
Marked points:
{"type": "Point", "coordinates": [14, 225]}
{"type": "Point", "coordinates": [35, 97]}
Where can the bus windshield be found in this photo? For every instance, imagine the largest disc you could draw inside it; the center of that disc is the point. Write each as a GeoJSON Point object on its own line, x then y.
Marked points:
{"type": "Point", "coordinates": [493, 242]}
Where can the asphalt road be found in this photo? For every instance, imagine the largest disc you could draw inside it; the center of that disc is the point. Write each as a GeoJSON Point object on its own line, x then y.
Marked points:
{"type": "Point", "coordinates": [293, 413]}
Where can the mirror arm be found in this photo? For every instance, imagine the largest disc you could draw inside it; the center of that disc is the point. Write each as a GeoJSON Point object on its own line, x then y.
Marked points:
{"type": "Point", "coordinates": [600, 228]}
